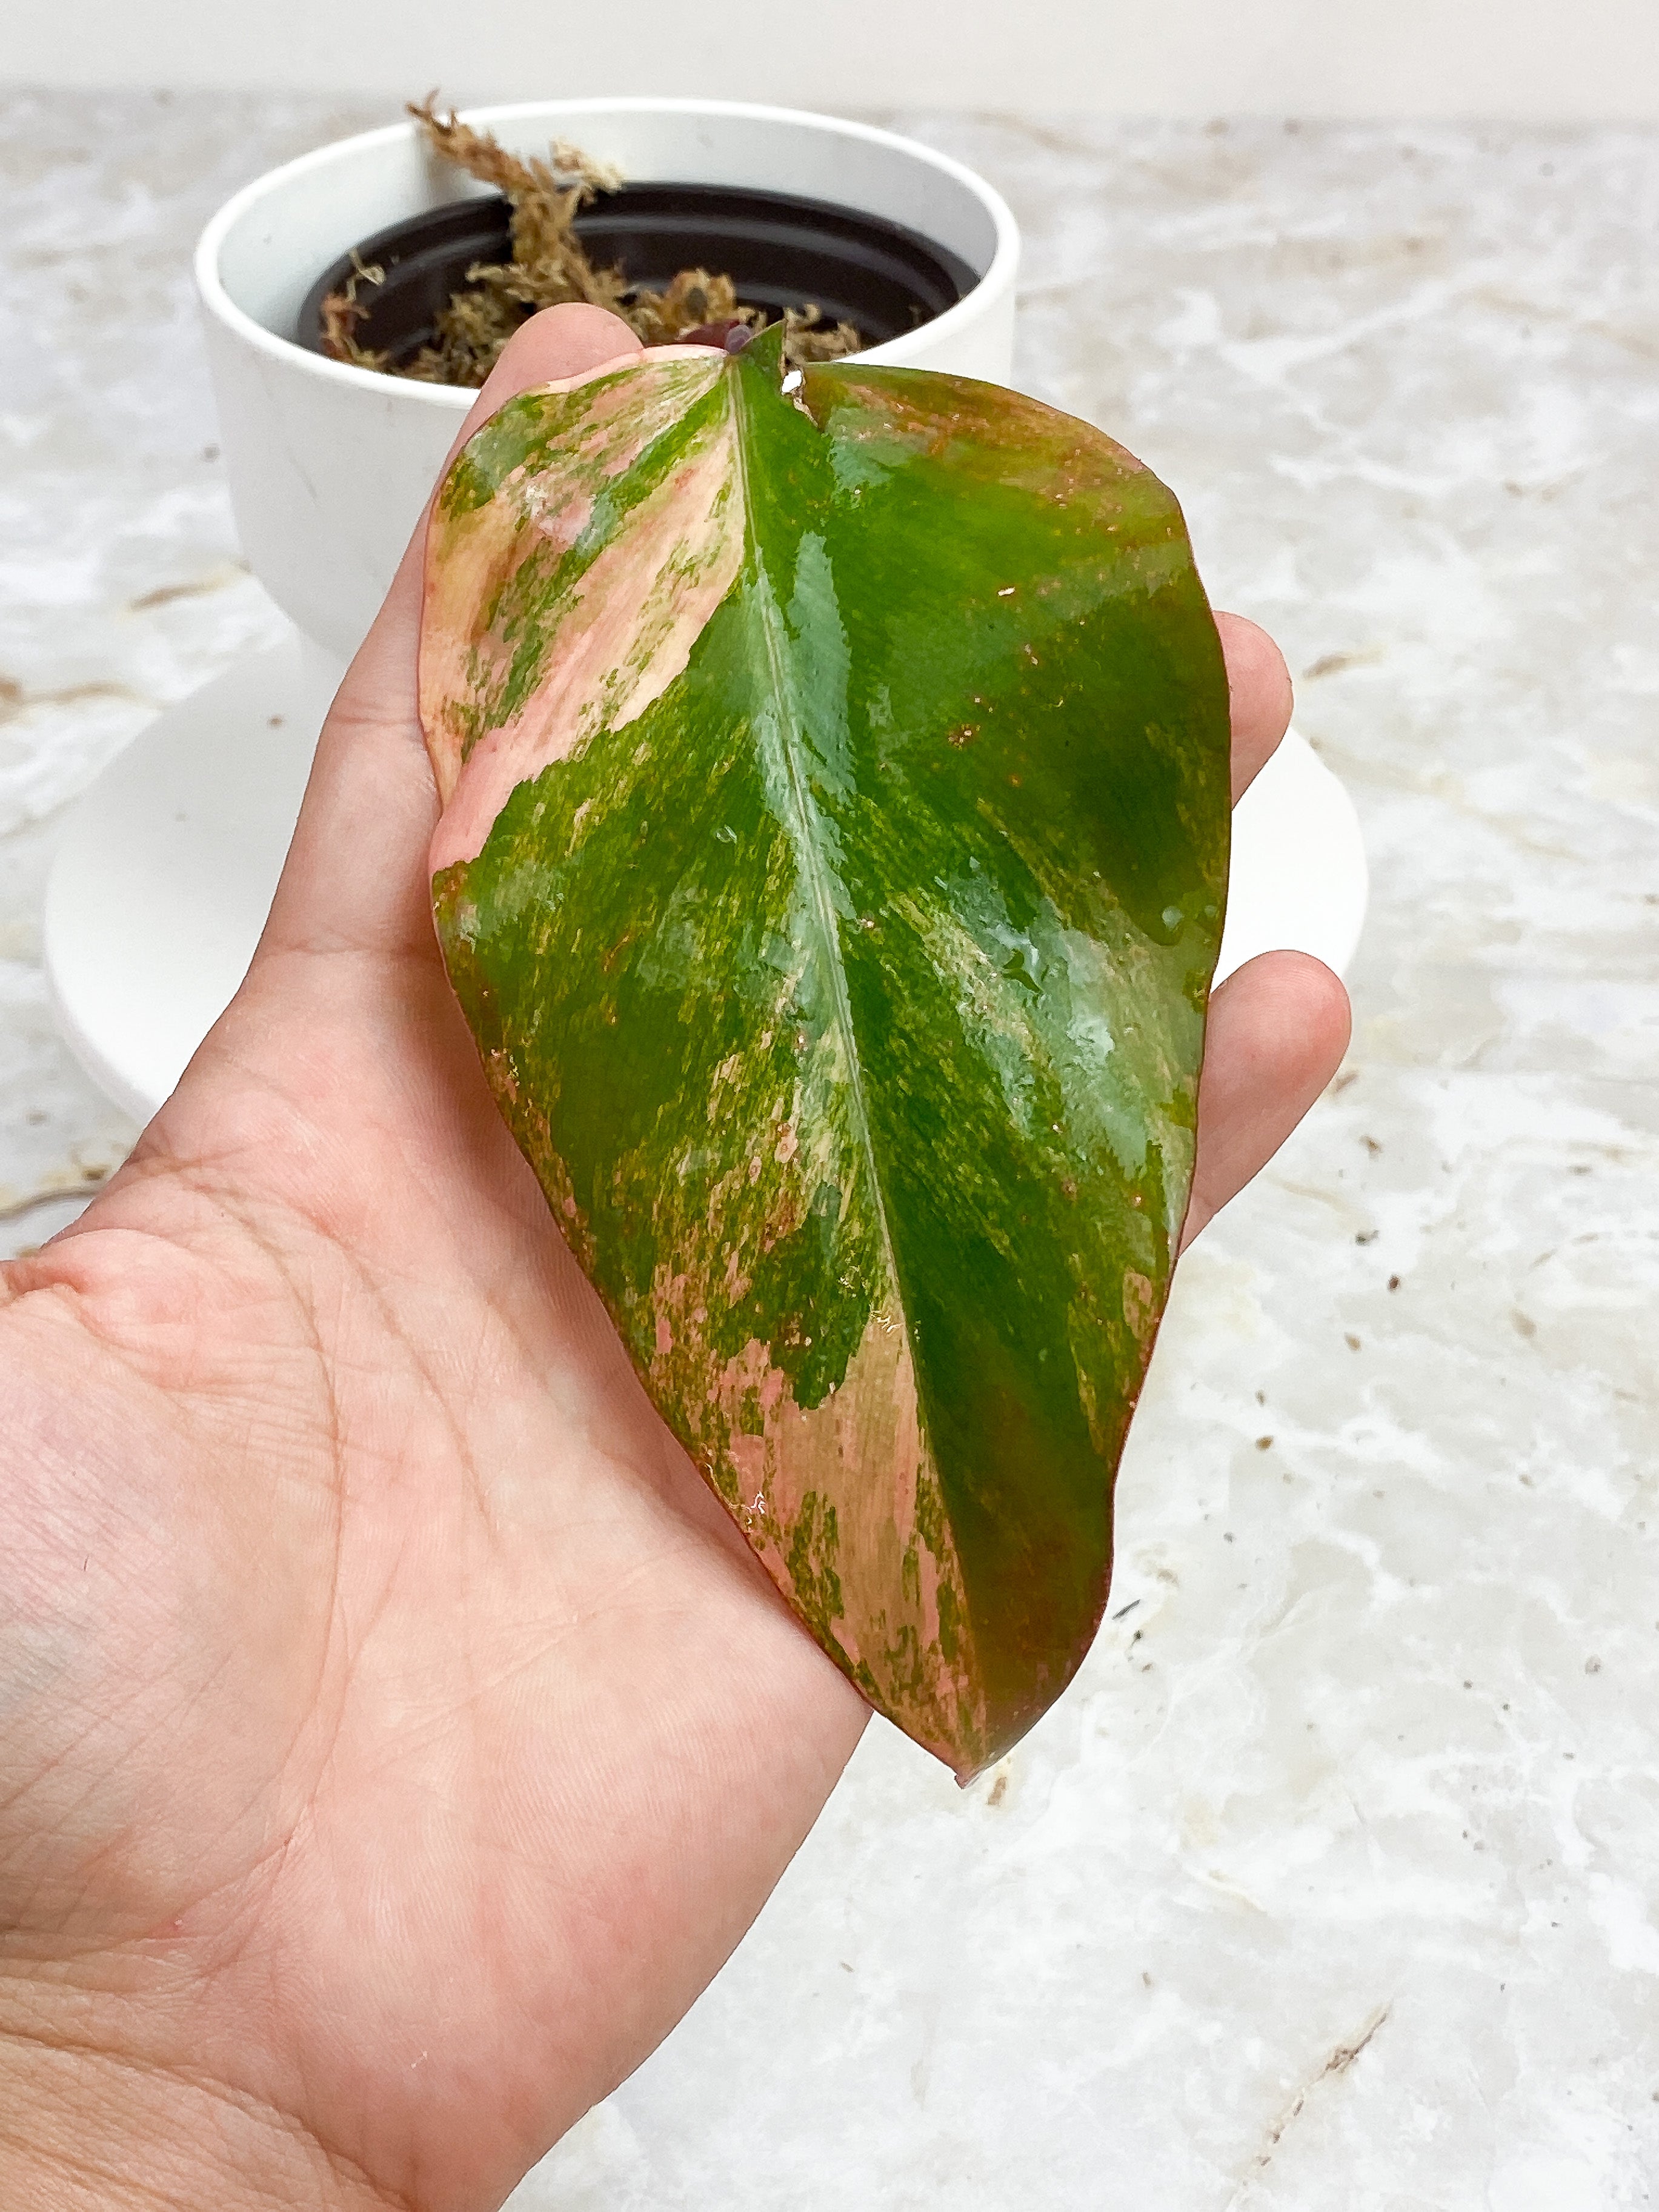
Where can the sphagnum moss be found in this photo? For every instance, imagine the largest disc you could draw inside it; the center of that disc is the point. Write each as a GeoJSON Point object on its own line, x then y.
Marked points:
{"type": "Point", "coordinates": [550, 268]}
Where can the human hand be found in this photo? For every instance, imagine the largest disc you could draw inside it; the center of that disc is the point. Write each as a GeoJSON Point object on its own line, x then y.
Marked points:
{"type": "Point", "coordinates": [395, 1735]}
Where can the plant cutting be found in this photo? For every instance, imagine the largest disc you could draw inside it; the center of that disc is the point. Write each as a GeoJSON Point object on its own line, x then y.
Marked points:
{"type": "Point", "coordinates": [834, 768]}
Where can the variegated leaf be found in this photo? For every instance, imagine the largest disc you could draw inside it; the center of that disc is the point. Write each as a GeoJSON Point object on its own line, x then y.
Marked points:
{"type": "Point", "coordinates": [831, 864]}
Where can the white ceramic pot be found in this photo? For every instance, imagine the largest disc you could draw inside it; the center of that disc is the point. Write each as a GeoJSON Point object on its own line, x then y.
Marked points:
{"type": "Point", "coordinates": [329, 465]}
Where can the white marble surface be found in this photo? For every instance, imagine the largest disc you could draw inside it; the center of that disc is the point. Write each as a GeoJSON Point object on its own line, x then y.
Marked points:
{"type": "Point", "coordinates": [1331, 1882]}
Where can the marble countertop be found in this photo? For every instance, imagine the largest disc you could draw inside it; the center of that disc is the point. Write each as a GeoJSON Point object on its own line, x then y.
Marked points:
{"type": "Point", "coordinates": [1334, 1881]}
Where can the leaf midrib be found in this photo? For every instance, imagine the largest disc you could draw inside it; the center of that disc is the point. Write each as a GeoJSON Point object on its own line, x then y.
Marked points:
{"type": "Point", "coordinates": [811, 865]}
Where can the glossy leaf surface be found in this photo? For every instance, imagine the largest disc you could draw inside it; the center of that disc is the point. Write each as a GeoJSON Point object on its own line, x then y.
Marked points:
{"type": "Point", "coordinates": [831, 869]}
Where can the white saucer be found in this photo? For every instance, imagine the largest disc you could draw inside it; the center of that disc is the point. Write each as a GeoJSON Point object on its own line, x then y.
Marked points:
{"type": "Point", "coordinates": [165, 871]}
{"type": "Point", "coordinates": [167, 868]}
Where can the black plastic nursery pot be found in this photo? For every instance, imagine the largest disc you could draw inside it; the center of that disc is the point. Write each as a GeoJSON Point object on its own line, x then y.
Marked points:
{"type": "Point", "coordinates": [779, 250]}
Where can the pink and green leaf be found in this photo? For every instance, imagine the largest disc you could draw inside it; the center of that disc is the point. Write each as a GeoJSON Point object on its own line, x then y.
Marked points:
{"type": "Point", "coordinates": [834, 847]}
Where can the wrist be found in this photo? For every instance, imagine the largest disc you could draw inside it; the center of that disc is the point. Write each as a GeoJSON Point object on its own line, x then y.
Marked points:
{"type": "Point", "coordinates": [86, 2128]}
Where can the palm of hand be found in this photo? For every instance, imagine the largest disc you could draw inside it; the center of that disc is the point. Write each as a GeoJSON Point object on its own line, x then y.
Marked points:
{"type": "Point", "coordinates": [395, 1735]}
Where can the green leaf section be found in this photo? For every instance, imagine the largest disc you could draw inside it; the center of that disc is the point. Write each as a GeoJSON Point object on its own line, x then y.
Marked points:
{"type": "Point", "coordinates": [849, 999]}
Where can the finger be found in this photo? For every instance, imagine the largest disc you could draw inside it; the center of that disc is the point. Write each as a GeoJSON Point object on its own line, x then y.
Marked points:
{"type": "Point", "coordinates": [1277, 1030]}
{"type": "Point", "coordinates": [1258, 683]}
{"type": "Point", "coordinates": [355, 873]}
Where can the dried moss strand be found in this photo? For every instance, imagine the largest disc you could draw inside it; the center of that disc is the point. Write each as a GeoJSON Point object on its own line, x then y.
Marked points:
{"type": "Point", "coordinates": [343, 311]}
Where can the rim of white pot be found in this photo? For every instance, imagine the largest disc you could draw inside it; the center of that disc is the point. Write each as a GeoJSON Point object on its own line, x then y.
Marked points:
{"type": "Point", "coordinates": [997, 276]}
